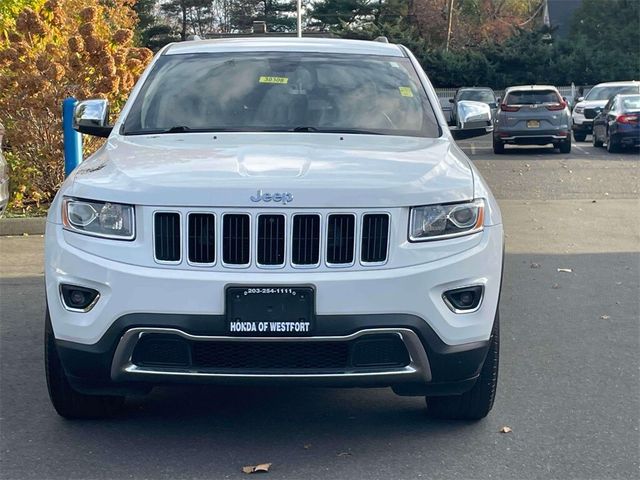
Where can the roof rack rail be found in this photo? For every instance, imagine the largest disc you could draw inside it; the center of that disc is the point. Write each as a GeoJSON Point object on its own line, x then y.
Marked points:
{"type": "Point", "coordinates": [193, 37]}
{"type": "Point", "coordinates": [381, 39]}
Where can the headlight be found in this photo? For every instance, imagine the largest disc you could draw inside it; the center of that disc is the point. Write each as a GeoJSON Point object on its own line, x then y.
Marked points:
{"type": "Point", "coordinates": [579, 109]}
{"type": "Point", "coordinates": [100, 219]}
{"type": "Point", "coordinates": [435, 222]}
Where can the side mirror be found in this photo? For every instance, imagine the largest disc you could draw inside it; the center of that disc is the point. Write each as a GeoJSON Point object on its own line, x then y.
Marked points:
{"type": "Point", "coordinates": [498, 100]}
{"type": "Point", "coordinates": [92, 118]}
{"type": "Point", "coordinates": [579, 99]}
{"type": "Point", "coordinates": [451, 100]}
{"type": "Point", "coordinates": [493, 105]}
{"type": "Point", "coordinates": [473, 120]}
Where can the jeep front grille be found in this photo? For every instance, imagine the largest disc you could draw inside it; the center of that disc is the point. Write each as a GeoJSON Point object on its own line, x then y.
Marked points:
{"type": "Point", "coordinates": [167, 236]}
{"type": "Point", "coordinates": [271, 240]}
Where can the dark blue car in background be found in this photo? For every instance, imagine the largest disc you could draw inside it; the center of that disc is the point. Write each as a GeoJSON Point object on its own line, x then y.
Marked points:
{"type": "Point", "coordinates": [618, 124]}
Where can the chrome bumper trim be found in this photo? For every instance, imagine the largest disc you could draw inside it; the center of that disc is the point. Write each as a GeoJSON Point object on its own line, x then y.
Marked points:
{"type": "Point", "coordinates": [556, 137]}
{"type": "Point", "coordinates": [418, 370]}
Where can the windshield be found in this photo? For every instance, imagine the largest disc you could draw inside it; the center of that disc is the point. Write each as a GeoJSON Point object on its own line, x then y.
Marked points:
{"type": "Point", "coordinates": [532, 97]}
{"type": "Point", "coordinates": [477, 96]}
{"type": "Point", "coordinates": [282, 92]}
{"type": "Point", "coordinates": [631, 103]}
{"type": "Point", "coordinates": [605, 93]}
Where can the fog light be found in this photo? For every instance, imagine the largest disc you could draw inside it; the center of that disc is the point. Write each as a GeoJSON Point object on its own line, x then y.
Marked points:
{"type": "Point", "coordinates": [465, 299]}
{"type": "Point", "coordinates": [78, 299]}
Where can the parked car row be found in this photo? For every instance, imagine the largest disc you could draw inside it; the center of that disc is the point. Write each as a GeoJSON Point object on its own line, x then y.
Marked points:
{"type": "Point", "coordinates": [540, 115]}
{"type": "Point", "coordinates": [589, 107]}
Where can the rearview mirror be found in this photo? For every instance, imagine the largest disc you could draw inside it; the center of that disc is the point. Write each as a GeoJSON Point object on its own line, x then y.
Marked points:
{"type": "Point", "coordinates": [92, 117]}
{"type": "Point", "coordinates": [473, 120]}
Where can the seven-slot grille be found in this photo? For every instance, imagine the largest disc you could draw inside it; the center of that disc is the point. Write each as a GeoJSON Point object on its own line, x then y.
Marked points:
{"type": "Point", "coordinates": [272, 240]}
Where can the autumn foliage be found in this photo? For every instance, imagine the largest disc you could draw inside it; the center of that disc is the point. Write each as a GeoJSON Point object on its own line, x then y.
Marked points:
{"type": "Point", "coordinates": [49, 51]}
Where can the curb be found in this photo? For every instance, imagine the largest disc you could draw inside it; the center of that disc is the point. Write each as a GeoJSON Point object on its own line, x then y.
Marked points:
{"type": "Point", "coordinates": [20, 226]}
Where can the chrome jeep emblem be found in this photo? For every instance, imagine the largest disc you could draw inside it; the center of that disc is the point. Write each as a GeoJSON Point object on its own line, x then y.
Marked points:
{"type": "Point", "coordinates": [260, 196]}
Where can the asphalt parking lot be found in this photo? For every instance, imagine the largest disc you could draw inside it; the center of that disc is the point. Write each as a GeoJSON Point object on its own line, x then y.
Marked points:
{"type": "Point", "coordinates": [569, 386]}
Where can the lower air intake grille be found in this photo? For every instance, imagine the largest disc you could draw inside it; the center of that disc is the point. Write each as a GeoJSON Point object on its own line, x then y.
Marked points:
{"type": "Point", "coordinates": [235, 241]}
{"type": "Point", "coordinates": [167, 236]}
{"type": "Point", "coordinates": [271, 240]}
{"type": "Point", "coordinates": [162, 350]}
{"type": "Point", "coordinates": [340, 239]}
{"type": "Point", "coordinates": [202, 234]}
{"type": "Point", "coordinates": [305, 246]}
{"type": "Point", "coordinates": [375, 236]}
{"type": "Point", "coordinates": [271, 355]}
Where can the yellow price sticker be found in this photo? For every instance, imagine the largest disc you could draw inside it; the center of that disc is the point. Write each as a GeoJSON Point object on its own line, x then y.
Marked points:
{"type": "Point", "coordinates": [405, 91]}
{"type": "Point", "coordinates": [276, 80]}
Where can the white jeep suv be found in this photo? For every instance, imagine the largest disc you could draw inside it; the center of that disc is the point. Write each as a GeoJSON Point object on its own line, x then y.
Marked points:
{"type": "Point", "coordinates": [275, 211]}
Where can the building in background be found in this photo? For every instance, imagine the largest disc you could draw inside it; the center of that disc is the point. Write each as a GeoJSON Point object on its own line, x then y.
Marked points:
{"type": "Point", "coordinates": [558, 14]}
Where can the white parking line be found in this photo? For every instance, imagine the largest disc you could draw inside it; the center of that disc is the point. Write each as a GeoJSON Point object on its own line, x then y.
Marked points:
{"type": "Point", "coordinates": [580, 148]}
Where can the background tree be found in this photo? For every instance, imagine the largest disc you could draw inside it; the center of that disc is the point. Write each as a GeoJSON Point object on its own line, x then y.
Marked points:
{"type": "Point", "coordinates": [61, 48]}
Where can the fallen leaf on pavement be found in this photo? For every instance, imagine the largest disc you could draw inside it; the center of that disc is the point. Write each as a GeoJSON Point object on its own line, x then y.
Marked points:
{"type": "Point", "coordinates": [605, 317]}
{"type": "Point", "coordinates": [307, 446]}
{"type": "Point", "coordinates": [344, 454]}
{"type": "Point", "coordinates": [505, 429]}
{"type": "Point", "coordinates": [565, 270]}
{"type": "Point", "coordinates": [534, 265]}
{"type": "Point", "coordinates": [555, 286]}
{"type": "Point", "coordinates": [260, 468]}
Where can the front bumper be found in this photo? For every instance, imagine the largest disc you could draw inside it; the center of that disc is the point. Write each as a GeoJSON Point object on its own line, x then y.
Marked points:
{"type": "Point", "coordinates": [447, 349]}
{"type": "Point", "coordinates": [581, 124]}
{"type": "Point", "coordinates": [434, 368]}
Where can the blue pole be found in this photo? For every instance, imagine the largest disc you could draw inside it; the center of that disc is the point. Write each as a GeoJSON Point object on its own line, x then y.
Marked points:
{"type": "Point", "coordinates": [72, 139]}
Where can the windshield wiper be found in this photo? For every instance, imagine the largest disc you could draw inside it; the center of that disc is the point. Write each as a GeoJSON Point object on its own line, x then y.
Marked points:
{"type": "Point", "coordinates": [335, 130]}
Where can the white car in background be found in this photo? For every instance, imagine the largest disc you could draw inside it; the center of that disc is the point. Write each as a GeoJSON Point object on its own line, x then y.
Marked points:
{"type": "Point", "coordinates": [275, 211]}
{"type": "Point", "coordinates": [587, 108]}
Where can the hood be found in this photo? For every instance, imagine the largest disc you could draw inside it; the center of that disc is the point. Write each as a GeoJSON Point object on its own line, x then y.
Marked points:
{"type": "Point", "coordinates": [591, 103]}
{"type": "Point", "coordinates": [315, 169]}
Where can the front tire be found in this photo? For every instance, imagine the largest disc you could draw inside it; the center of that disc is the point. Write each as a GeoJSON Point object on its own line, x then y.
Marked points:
{"type": "Point", "coordinates": [498, 147]}
{"type": "Point", "coordinates": [68, 402]}
{"type": "Point", "coordinates": [579, 136]}
{"type": "Point", "coordinates": [477, 402]}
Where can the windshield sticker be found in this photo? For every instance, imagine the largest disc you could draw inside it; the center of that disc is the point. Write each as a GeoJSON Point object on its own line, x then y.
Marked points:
{"type": "Point", "coordinates": [405, 91]}
{"type": "Point", "coordinates": [275, 80]}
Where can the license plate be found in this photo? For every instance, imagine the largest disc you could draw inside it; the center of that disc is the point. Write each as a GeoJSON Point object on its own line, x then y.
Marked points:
{"type": "Point", "coordinates": [533, 124]}
{"type": "Point", "coordinates": [270, 311]}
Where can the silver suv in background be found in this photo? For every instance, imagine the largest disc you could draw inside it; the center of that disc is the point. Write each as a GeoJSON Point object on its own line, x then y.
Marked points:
{"type": "Point", "coordinates": [532, 115]}
{"type": "Point", "coordinates": [4, 178]}
{"type": "Point", "coordinates": [590, 106]}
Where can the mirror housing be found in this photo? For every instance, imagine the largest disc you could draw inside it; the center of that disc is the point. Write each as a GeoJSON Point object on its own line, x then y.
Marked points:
{"type": "Point", "coordinates": [579, 99]}
{"type": "Point", "coordinates": [473, 119]}
{"type": "Point", "coordinates": [92, 118]}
